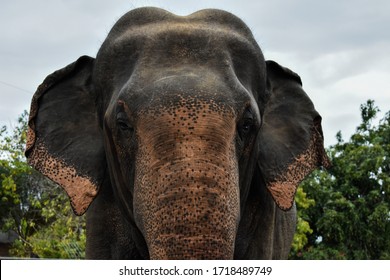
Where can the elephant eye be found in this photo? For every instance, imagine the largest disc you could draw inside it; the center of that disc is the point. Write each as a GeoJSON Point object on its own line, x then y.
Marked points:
{"type": "Point", "coordinates": [123, 125]}
{"type": "Point", "coordinates": [122, 122]}
{"type": "Point", "coordinates": [246, 125]}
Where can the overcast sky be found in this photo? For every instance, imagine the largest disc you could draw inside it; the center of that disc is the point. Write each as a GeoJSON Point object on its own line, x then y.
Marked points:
{"type": "Point", "coordinates": [340, 48]}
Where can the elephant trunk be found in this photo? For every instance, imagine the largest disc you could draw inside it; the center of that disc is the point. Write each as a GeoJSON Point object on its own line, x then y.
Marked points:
{"type": "Point", "coordinates": [188, 214]}
{"type": "Point", "coordinates": [186, 191]}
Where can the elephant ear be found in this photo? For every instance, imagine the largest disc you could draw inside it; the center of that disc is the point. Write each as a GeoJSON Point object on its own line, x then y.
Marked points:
{"type": "Point", "coordinates": [291, 142]}
{"type": "Point", "coordinates": [64, 141]}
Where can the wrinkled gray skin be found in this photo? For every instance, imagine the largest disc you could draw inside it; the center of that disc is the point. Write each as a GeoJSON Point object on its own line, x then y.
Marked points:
{"type": "Point", "coordinates": [179, 139]}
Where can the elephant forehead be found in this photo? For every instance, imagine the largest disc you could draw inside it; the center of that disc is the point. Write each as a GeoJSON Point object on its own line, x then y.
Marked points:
{"type": "Point", "coordinates": [169, 43]}
{"type": "Point", "coordinates": [162, 90]}
{"type": "Point", "coordinates": [149, 15]}
{"type": "Point", "coordinates": [144, 23]}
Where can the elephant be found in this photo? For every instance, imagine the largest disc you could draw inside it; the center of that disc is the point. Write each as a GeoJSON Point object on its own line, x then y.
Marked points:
{"type": "Point", "coordinates": [180, 140]}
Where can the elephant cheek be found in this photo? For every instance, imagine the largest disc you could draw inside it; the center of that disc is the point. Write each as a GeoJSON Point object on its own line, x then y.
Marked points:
{"type": "Point", "coordinates": [186, 212]}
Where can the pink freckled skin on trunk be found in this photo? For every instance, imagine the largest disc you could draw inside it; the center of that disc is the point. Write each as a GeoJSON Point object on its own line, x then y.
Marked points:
{"type": "Point", "coordinates": [186, 192]}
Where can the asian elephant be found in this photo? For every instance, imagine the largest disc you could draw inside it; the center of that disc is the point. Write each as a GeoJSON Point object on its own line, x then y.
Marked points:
{"type": "Point", "coordinates": [180, 140]}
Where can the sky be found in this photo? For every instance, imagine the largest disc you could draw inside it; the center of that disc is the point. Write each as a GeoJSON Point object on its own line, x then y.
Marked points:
{"type": "Point", "coordinates": [340, 48]}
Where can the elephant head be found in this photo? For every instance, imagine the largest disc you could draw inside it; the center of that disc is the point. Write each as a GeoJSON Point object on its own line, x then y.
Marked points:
{"type": "Point", "coordinates": [183, 120]}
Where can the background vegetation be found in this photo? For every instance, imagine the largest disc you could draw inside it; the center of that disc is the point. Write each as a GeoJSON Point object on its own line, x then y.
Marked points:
{"type": "Point", "coordinates": [344, 212]}
{"type": "Point", "coordinates": [34, 207]}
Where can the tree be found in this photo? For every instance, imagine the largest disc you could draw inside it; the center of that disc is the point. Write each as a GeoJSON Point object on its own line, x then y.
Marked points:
{"type": "Point", "coordinates": [350, 214]}
{"type": "Point", "coordinates": [34, 207]}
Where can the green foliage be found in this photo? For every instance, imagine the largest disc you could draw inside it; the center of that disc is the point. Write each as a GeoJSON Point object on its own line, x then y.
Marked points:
{"type": "Point", "coordinates": [351, 215]}
{"type": "Point", "coordinates": [34, 207]}
{"type": "Point", "coordinates": [303, 227]}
